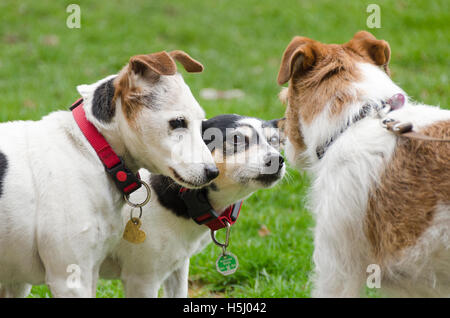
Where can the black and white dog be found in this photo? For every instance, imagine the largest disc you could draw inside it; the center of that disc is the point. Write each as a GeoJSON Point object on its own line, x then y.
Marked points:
{"type": "Point", "coordinates": [246, 151]}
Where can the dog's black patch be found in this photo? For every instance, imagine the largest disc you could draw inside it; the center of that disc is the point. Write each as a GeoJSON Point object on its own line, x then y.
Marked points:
{"type": "Point", "coordinates": [168, 194]}
{"type": "Point", "coordinates": [271, 123]}
{"type": "Point", "coordinates": [3, 169]}
{"type": "Point", "coordinates": [102, 107]}
{"type": "Point", "coordinates": [221, 122]}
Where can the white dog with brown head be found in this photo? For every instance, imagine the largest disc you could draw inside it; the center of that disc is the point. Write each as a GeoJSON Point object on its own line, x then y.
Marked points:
{"type": "Point", "coordinates": [381, 198]}
{"type": "Point", "coordinates": [58, 207]}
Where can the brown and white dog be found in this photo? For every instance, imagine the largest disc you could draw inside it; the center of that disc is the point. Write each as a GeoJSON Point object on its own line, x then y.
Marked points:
{"type": "Point", "coordinates": [381, 202]}
{"type": "Point", "coordinates": [58, 206]}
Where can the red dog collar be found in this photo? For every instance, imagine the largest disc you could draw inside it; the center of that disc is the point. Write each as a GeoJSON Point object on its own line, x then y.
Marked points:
{"type": "Point", "coordinates": [201, 211]}
{"type": "Point", "coordinates": [230, 215]}
{"type": "Point", "coordinates": [125, 180]}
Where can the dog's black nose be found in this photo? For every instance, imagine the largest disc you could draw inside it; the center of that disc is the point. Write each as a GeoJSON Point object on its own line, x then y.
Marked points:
{"type": "Point", "coordinates": [211, 172]}
{"type": "Point", "coordinates": [274, 158]}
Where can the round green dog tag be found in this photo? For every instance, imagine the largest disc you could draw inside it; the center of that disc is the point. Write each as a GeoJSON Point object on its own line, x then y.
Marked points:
{"type": "Point", "coordinates": [227, 263]}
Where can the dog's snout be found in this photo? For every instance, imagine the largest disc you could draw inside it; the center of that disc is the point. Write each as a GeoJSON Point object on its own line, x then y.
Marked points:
{"type": "Point", "coordinates": [272, 159]}
{"type": "Point", "coordinates": [211, 172]}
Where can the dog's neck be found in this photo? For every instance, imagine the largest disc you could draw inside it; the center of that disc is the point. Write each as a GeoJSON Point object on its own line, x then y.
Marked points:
{"type": "Point", "coordinates": [101, 111]}
{"type": "Point", "coordinates": [169, 194]}
{"type": "Point", "coordinates": [365, 111]}
{"type": "Point", "coordinates": [373, 88]}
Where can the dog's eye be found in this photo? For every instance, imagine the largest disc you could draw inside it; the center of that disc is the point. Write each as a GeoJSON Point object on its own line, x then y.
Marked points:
{"type": "Point", "coordinates": [274, 140]}
{"type": "Point", "coordinates": [179, 122]}
{"type": "Point", "coordinates": [239, 139]}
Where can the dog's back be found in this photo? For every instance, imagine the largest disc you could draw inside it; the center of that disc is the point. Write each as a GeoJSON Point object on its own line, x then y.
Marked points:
{"type": "Point", "coordinates": [408, 216]}
{"type": "Point", "coordinates": [25, 148]}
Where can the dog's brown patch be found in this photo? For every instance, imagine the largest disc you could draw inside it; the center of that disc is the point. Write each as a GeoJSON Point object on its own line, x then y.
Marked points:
{"type": "Point", "coordinates": [371, 49]}
{"type": "Point", "coordinates": [403, 204]}
{"type": "Point", "coordinates": [326, 84]}
{"type": "Point", "coordinates": [128, 95]}
{"type": "Point", "coordinates": [190, 65]}
{"type": "Point", "coordinates": [147, 68]}
{"type": "Point", "coordinates": [321, 74]}
{"type": "Point", "coordinates": [221, 164]}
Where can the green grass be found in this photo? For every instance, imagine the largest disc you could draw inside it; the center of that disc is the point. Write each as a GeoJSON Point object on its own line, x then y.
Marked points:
{"type": "Point", "coordinates": [240, 44]}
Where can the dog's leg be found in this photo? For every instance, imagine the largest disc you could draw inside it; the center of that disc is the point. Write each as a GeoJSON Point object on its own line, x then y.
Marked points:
{"type": "Point", "coordinates": [71, 284]}
{"type": "Point", "coordinates": [16, 290]}
{"type": "Point", "coordinates": [76, 280]}
{"type": "Point", "coordinates": [141, 286]}
{"type": "Point", "coordinates": [176, 285]}
{"type": "Point", "coordinates": [336, 284]}
{"type": "Point", "coordinates": [339, 271]}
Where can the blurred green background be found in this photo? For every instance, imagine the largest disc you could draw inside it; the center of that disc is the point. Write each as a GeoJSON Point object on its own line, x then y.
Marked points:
{"type": "Point", "coordinates": [240, 43]}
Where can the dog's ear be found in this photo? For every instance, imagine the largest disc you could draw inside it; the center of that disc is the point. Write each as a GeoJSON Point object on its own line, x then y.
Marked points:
{"type": "Point", "coordinates": [365, 44]}
{"type": "Point", "coordinates": [299, 56]}
{"type": "Point", "coordinates": [160, 63]}
{"type": "Point", "coordinates": [191, 65]}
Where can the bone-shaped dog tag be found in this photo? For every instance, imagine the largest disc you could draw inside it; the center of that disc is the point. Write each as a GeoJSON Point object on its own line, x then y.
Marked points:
{"type": "Point", "coordinates": [133, 233]}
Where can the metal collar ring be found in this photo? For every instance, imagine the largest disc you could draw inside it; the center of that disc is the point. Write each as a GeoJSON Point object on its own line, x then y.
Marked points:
{"type": "Point", "coordinates": [227, 239]}
{"type": "Point", "coordinates": [147, 199]}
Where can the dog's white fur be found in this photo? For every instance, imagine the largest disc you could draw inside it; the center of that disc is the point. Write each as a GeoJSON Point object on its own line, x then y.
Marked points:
{"type": "Point", "coordinates": [163, 259]}
{"type": "Point", "coordinates": [59, 207]}
{"type": "Point", "coordinates": [339, 196]}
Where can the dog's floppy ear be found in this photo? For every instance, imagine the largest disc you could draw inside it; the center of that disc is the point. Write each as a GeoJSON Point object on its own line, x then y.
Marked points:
{"type": "Point", "coordinates": [191, 65]}
{"type": "Point", "coordinates": [365, 44]}
{"type": "Point", "coordinates": [299, 55]}
{"type": "Point", "coordinates": [160, 63]}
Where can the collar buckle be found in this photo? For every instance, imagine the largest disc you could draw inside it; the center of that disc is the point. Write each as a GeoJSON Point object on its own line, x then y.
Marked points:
{"type": "Point", "coordinates": [125, 180]}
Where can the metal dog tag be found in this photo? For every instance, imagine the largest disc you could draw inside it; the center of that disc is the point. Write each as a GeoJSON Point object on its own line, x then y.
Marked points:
{"type": "Point", "coordinates": [227, 263]}
{"type": "Point", "coordinates": [133, 233]}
